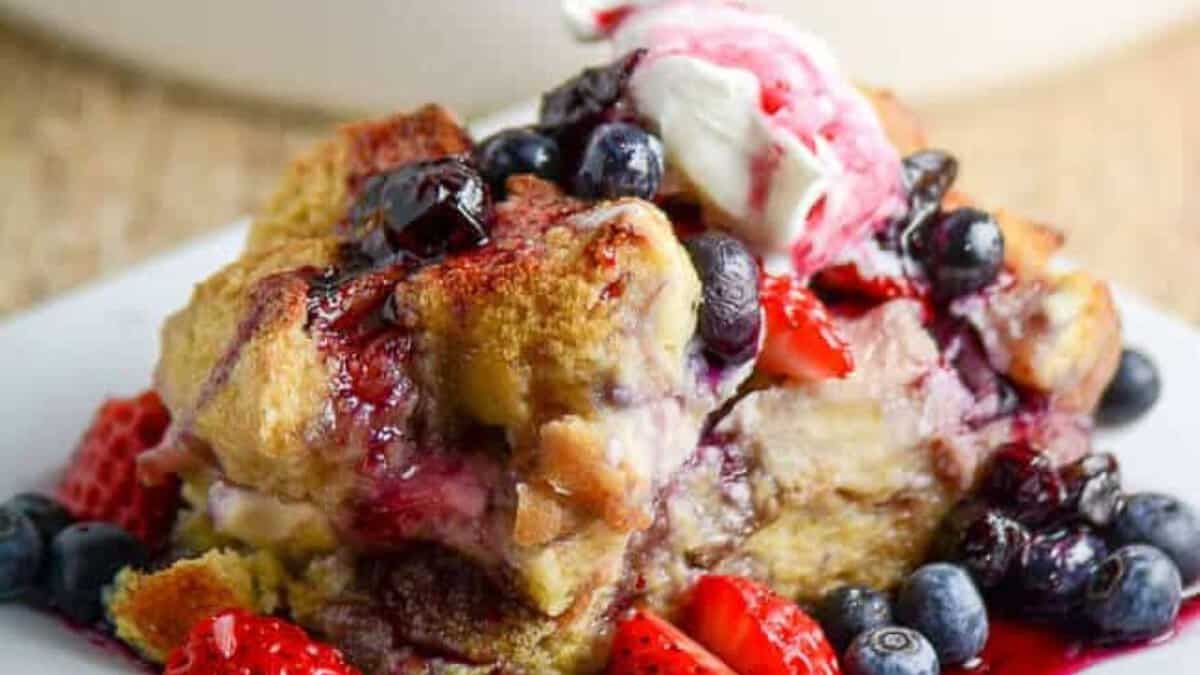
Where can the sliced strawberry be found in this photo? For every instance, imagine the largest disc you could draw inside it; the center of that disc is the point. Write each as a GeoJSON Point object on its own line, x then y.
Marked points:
{"type": "Point", "coordinates": [847, 279]}
{"type": "Point", "coordinates": [756, 631]}
{"type": "Point", "coordinates": [101, 480]}
{"type": "Point", "coordinates": [801, 341]}
{"type": "Point", "coordinates": [647, 644]}
{"type": "Point", "coordinates": [236, 641]}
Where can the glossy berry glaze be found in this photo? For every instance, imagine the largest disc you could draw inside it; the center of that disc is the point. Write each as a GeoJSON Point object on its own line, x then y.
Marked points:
{"type": "Point", "coordinates": [1016, 648]}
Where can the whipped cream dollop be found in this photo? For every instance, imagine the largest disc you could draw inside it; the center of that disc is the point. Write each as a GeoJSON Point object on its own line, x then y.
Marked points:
{"type": "Point", "coordinates": [759, 120]}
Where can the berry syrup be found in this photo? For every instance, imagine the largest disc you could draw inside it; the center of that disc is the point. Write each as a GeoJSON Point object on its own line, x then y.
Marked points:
{"type": "Point", "coordinates": [1016, 648]}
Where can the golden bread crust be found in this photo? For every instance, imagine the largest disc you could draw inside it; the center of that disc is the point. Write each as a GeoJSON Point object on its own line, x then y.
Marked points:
{"type": "Point", "coordinates": [154, 611]}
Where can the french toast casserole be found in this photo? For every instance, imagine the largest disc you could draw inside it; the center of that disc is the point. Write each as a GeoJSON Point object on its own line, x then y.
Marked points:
{"type": "Point", "coordinates": [461, 404]}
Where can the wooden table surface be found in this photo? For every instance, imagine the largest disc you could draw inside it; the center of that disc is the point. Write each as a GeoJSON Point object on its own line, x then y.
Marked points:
{"type": "Point", "coordinates": [101, 167]}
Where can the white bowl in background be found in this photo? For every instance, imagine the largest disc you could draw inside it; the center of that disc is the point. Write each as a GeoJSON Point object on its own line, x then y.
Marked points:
{"type": "Point", "coordinates": [477, 55]}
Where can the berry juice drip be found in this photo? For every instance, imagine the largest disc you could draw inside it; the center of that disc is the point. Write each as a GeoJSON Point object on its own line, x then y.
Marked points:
{"type": "Point", "coordinates": [1016, 648]}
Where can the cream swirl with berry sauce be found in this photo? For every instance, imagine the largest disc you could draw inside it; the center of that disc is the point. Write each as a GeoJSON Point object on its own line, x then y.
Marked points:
{"type": "Point", "coordinates": [759, 120]}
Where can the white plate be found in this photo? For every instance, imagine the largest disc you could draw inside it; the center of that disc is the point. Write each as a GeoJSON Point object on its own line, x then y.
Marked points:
{"type": "Point", "coordinates": [59, 360]}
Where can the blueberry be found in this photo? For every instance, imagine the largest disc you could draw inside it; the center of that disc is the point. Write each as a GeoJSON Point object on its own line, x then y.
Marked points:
{"type": "Point", "coordinates": [941, 602]}
{"type": "Point", "coordinates": [516, 151]}
{"type": "Point", "coordinates": [1134, 595]}
{"type": "Point", "coordinates": [572, 110]}
{"type": "Point", "coordinates": [620, 160]}
{"type": "Point", "coordinates": [49, 516]}
{"type": "Point", "coordinates": [983, 540]}
{"type": "Point", "coordinates": [84, 558]}
{"type": "Point", "coordinates": [21, 553]}
{"type": "Point", "coordinates": [422, 210]}
{"type": "Point", "coordinates": [1024, 483]}
{"type": "Point", "coordinates": [849, 611]}
{"type": "Point", "coordinates": [1054, 570]}
{"type": "Point", "coordinates": [963, 252]}
{"type": "Point", "coordinates": [730, 317]}
{"type": "Point", "coordinates": [891, 650]}
{"type": "Point", "coordinates": [1165, 523]}
{"type": "Point", "coordinates": [1133, 390]}
{"type": "Point", "coordinates": [1093, 486]}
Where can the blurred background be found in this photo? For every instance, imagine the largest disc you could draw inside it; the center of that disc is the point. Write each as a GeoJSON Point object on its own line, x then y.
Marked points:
{"type": "Point", "coordinates": [129, 126]}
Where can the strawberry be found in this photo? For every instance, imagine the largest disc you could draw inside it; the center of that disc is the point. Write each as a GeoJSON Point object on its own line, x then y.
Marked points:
{"type": "Point", "coordinates": [848, 280]}
{"type": "Point", "coordinates": [801, 341]}
{"type": "Point", "coordinates": [236, 641]}
{"type": "Point", "coordinates": [646, 643]}
{"type": "Point", "coordinates": [756, 631]}
{"type": "Point", "coordinates": [101, 479]}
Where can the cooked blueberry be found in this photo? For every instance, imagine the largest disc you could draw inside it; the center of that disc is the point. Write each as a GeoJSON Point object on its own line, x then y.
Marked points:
{"type": "Point", "coordinates": [1024, 483]}
{"type": "Point", "coordinates": [927, 175]}
{"type": "Point", "coordinates": [1165, 523]}
{"type": "Point", "coordinates": [1134, 389]}
{"type": "Point", "coordinates": [422, 210]}
{"type": "Point", "coordinates": [573, 109]}
{"type": "Point", "coordinates": [1134, 595]}
{"type": "Point", "coordinates": [1093, 489]}
{"type": "Point", "coordinates": [1055, 568]}
{"type": "Point", "coordinates": [84, 558]}
{"type": "Point", "coordinates": [620, 160]}
{"type": "Point", "coordinates": [849, 611]}
{"type": "Point", "coordinates": [47, 514]}
{"type": "Point", "coordinates": [20, 553]}
{"type": "Point", "coordinates": [994, 395]}
{"type": "Point", "coordinates": [963, 252]}
{"type": "Point", "coordinates": [730, 317]}
{"type": "Point", "coordinates": [516, 151]}
{"type": "Point", "coordinates": [941, 602]}
{"type": "Point", "coordinates": [985, 541]}
{"type": "Point", "coordinates": [890, 651]}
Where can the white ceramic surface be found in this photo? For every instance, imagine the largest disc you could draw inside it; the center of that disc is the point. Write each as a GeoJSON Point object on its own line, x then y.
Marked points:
{"type": "Point", "coordinates": [59, 360]}
{"type": "Point", "coordinates": [478, 54]}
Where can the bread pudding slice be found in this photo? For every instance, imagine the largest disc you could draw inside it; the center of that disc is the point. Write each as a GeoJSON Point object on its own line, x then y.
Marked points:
{"type": "Point", "coordinates": [519, 404]}
{"type": "Point", "coordinates": [472, 439]}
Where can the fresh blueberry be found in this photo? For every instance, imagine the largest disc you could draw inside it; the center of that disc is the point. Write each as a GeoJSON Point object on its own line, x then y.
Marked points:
{"type": "Point", "coordinates": [620, 160]}
{"type": "Point", "coordinates": [941, 602]}
{"type": "Point", "coordinates": [730, 317]}
{"type": "Point", "coordinates": [849, 611]}
{"type": "Point", "coordinates": [891, 650]}
{"type": "Point", "coordinates": [1054, 570]}
{"type": "Point", "coordinates": [963, 252]}
{"type": "Point", "coordinates": [516, 151]}
{"type": "Point", "coordinates": [572, 110]}
{"type": "Point", "coordinates": [1133, 390]}
{"type": "Point", "coordinates": [422, 210]}
{"type": "Point", "coordinates": [1024, 483]}
{"type": "Point", "coordinates": [84, 558]}
{"type": "Point", "coordinates": [985, 541]}
{"type": "Point", "coordinates": [1093, 489]}
{"type": "Point", "coordinates": [21, 553]}
{"type": "Point", "coordinates": [1165, 523]}
{"type": "Point", "coordinates": [1134, 595]}
{"type": "Point", "coordinates": [49, 516]}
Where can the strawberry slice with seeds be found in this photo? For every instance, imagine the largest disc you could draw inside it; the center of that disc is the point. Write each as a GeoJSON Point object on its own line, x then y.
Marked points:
{"type": "Point", "coordinates": [756, 631]}
{"type": "Point", "coordinates": [802, 341]}
{"type": "Point", "coordinates": [645, 643]}
{"type": "Point", "coordinates": [101, 481]}
{"type": "Point", "coordinates": [236, 641]}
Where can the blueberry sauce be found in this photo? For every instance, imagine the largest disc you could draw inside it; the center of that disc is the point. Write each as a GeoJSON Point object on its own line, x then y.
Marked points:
{"type": "Point", "coordinates": [1016, 648]}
